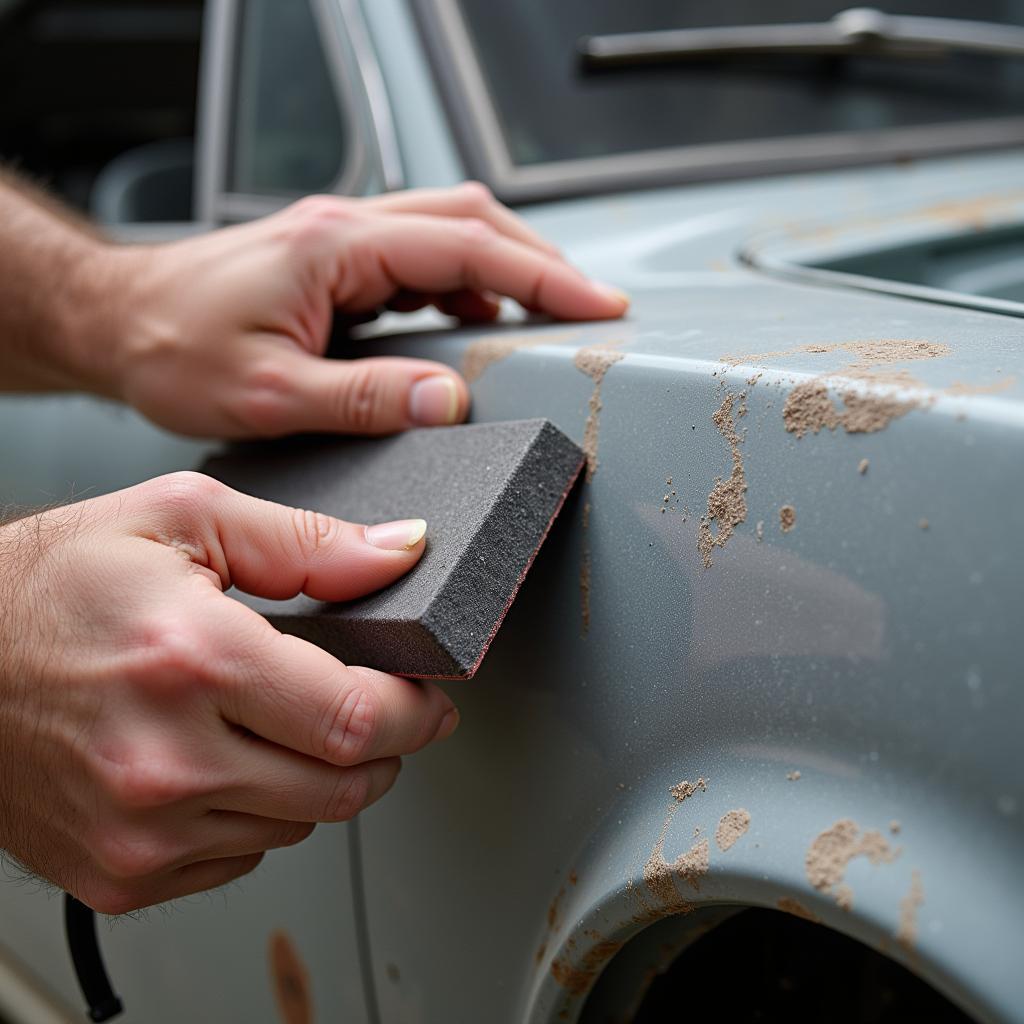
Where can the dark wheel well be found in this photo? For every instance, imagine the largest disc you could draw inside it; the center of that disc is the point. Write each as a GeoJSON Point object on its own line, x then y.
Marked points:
{"type": "Point", "coordinates": [762, 966]}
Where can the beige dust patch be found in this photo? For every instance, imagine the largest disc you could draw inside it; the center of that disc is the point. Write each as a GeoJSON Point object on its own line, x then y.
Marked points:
{"type": "Point", "coordinates": [480, 355]}
{"type": "Point", "coordinates": [831, 851]}
{"type": "Point", "coordinates": [727, 503]}
{"type": "Point", "coordinates": [681, 790]}
{"type": "Point", "coordinates": [595, 361]}
{"type": "Point", "coordinates": [906, 933]}
{"type": "Point", "coordinates": [958, 388]}
{"type": "Point", "coordinates": [787, 518]}
{"type": "Point", "coordinates": [732, 826]}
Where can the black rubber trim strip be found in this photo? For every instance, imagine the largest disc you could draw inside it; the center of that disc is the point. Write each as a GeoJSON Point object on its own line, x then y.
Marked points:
{"type": "Point", "coordinates": [80, 928]}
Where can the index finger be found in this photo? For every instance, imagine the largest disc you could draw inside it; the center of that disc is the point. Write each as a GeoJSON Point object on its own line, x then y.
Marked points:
{"type": "Point", "coordinates": [423, 253]}
{"type": "Point", "coordinates": [470, 199]}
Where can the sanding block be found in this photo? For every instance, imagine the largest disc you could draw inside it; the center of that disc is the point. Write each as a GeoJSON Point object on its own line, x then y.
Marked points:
{"type": "Point", "coordinates": [489, 493]}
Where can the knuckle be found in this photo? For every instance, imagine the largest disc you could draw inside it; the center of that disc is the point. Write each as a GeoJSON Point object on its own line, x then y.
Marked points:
{"type": "Point", "coordinates": [313, 530]}
{"type": "Point", "coordinates": [349, 796]}
{"type": "Point", "coordinates": [360, 400]}
{"type": "Point", "coordinates": [296, 833]}
{"type": "Point", "coordinates": [140, 780]}
{"type": "Point", "coordinates": [174, 654]}
{"type": "Point", "coordinates": [348, 729]}
{"type": "Point", "coordinates": [111, 897]}
{"type": "Point", "coordinates": [475, 232]}
{"type": "Point", "coordinates": [126, 857]}
{"type": "Point", "coordinates": [185, 494]}
{"type": "Point", "coordinates": [265, 404]}
{"type": "Point", "coordinates": [477, 195]}
{"type": "Point", "coordinates": [308, 218]}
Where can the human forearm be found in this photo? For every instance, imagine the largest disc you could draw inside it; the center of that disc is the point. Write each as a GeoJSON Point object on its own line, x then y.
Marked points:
{"type": "Point", "coordinates": [60, 291]}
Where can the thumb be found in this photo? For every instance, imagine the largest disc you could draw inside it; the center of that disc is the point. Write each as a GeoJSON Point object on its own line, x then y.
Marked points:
{"type": "Point", "coordinates": [376, 395]}
{"type": "Point", "coordinates": [275, 551]}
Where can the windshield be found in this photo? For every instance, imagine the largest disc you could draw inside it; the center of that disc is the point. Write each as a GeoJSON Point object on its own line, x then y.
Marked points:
{"type": "Point", "coordinates": [549, 107]}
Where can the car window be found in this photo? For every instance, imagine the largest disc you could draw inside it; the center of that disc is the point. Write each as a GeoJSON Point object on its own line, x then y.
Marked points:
{"type": "Point", "coordinates": [550, 110]}
{"type": "Point", "coordinates": [290, 133]}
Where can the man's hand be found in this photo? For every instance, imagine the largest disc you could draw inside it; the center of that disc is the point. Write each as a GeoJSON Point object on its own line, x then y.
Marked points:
{"type": "Point", "coordinates": [221, 335]}
{"type": "Point", "coordinates": [156, 736]}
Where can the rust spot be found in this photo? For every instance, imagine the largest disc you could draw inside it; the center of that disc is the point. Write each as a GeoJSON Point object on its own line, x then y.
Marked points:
{"type": "Point", "coordinates": [290, 980]}
{"type": "Point", "coordinates": [576, 978]}
{"type": "Point", "coordinates": [976, 213]}
{"type": "Point", "coordinates": [573, 878]}
{"type": "Point", "coordinates": [555, 909]}
{"type": "Point", "coordinates": [797, 909]}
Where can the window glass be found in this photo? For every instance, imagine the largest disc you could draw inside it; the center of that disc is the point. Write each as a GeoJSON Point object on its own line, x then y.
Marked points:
{"type": "Point", "coordinates": [289, 129]}
{"type": "Point", "coordinates": [550, 110]}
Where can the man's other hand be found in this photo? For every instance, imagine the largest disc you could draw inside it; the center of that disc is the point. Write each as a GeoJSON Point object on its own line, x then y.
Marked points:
{"type": "Point", "coordinates": [221, 335]}
{"type": "Point", "coordinates": [156, 736]}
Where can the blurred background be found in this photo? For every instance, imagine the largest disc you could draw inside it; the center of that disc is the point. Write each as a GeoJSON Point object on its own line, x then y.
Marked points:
{"type": "Point", "coordinates": [84, 81]}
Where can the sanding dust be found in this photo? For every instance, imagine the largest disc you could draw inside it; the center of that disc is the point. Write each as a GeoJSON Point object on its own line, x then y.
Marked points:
{"type": "Point", "coordinates": [759, 530]}
{"type": "Point", "coordinates": [809, 407]}
{"type": "Point", "coordinates": [595, 361]}
{"type": "Point", "coordinates": [727, 503]}
{"type": "Point", "coordinates": [959, 388]}
{"type": "Point", "coordinates": [894, 827]}
{"type": "Point", "coordinates": [834, 848]}
{"type": "Point", "coordinates": [923, 524]}
{"type": "Point", "coordinates": [869, 355]}
{"type": "Point", "coordinates": [797, 909]}
{"type": "Point", "coordinates": [731, 827]}
{"type": "Point", "coordinates": [681, 790]}
{"type": "Point", "coordinates": [660, 876]}
{"type": "Point", "coordinates": [862, 466]}
{"type": "Point", "coordinates": [787, 518]}
{"type": "Point", "coordinates": [844, 897]}
{"type": "Point", "coordinates": [866, 414]}
{"type": "Point", "coordinates": [479, 355]}
{"type": "Point", "coordinates": [793, 776]}
{"type": "Point", "coordinates": [290, 980]}
{"type": "Point", "coordinates": [906, 933]}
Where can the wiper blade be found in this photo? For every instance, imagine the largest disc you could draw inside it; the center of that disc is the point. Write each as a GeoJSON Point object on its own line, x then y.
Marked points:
{"type": "Point", "coordinates": [855, 32]}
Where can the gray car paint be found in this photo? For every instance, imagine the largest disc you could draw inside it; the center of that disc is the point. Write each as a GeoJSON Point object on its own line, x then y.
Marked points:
{"type": "Point", "coordinates": [876, 657]}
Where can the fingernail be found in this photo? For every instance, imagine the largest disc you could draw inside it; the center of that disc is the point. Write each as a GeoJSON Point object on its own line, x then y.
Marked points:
{"type": "Point", "coordinates": [434, 401]}
{"type": "Point", "coordinates": [397, 536]}
{"type": "Point", "coordinates": [612, 292]}
{"type": "Point", "coordinates": [448, 725]}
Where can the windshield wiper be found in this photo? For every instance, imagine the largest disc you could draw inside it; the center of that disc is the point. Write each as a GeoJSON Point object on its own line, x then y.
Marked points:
{"type": "Point", "coordinates": [854, 32]}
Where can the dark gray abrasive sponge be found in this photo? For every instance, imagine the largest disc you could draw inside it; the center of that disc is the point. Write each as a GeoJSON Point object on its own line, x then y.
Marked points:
{"type": "Point", "coordinates": [488, 492]}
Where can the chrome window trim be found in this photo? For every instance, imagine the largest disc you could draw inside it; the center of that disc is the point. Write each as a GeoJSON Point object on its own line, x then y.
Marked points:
{"type": "Point", "coordinates": [215, 202]}
{"type": "Point", "coordinates": [374, 88]}
{"type": "Point", "coordinates": [475, 124]}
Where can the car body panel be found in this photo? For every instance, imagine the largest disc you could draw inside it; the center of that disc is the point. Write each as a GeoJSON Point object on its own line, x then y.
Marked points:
{"type": "Point", "coordinates": [871, 648]}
